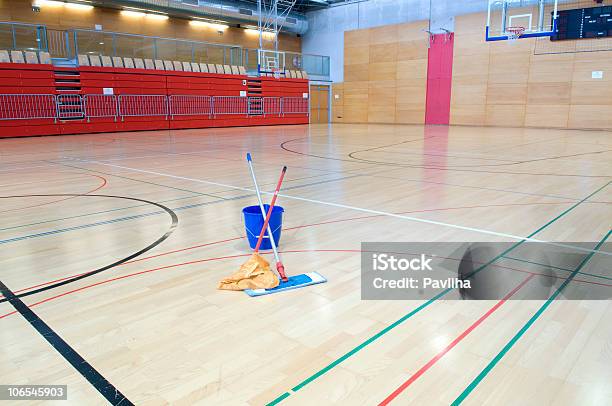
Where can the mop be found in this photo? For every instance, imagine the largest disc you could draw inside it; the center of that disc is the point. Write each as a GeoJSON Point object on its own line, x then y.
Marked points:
{"type": "Point", "coordinates": [286, 283]}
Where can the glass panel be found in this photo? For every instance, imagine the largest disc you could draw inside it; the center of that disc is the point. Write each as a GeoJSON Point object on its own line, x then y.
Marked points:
{"type": "Point", "coordinates": [25, 37]}
{"type": "Point", "coordinates": [215, 54]}
{"type": "Point", "coordinates": [250, 59]}
{"type": "Point", "coordinates": [128, 45]}
{"type": "Point", "coordinates": [134, 46]}
{"type": "Point", "coordinates": [200, 53]}
{"type": "Point", "coordinates": [20, 36]}
{"type": "Point", "coordinates": [96, 43]}
{"type": "Point", "coordinates": [235, 56]}
{"type": "Point", "coordinates": [6, 36]}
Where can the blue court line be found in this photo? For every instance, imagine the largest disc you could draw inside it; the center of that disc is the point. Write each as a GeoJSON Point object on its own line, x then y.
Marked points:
{"type": "Point", "coordinates": [559, 268]}
{"type": "Point", "coordinates": [525, 327]}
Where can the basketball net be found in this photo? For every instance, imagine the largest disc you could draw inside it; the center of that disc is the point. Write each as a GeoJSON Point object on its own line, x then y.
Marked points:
{"type": "Point", "coordinates": [276, 73]}
{"type": "Point", "coordinates": [514, 33]}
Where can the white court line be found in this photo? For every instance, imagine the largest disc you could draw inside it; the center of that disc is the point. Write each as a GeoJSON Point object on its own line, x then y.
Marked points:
{"type": "Point", "coordinates": [327, 171]}
{"type": "Point", "coordinates": [364, 210]}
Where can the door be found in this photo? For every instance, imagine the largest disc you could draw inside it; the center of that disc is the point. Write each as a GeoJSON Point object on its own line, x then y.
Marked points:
{"type": "Point", "coordinates": [319, 104]}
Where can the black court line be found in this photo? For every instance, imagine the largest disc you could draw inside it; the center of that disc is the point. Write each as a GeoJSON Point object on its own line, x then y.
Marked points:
{"type": "Point", "coordinates": [96, 379]}
{"type": "Point", "coordinates": [101, 384]}
{"type": "Point", "coordinates": [155, 243]}
{"type": "Point", "coordinates": [450, 169]}
{"type": "Point", "coordinates": [135, 180]}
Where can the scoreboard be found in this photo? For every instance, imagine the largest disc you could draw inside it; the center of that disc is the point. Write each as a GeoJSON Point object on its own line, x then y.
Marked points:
{"type": "Point", "coordinates": [593, 22]}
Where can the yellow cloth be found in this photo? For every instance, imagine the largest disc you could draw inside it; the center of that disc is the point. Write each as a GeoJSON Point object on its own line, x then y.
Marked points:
{"type": "Point", "coordinates": [253, 274]}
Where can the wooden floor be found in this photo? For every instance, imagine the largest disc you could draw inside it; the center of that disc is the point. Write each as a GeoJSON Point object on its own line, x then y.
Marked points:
{"type": "Point", "coordinates": [158, 330]}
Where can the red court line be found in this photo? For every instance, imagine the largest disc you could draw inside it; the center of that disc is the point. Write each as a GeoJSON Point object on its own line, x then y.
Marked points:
{"type": "Point", "coordinates": [531, 274]}
{"type": "Point", "coordinates": [159, 269]}
{"type": "Point", "coordinates": [450, 346]}
{"type": "Point", "coordinates": [103, 184]}
{"type": "Point", "coordinates": [292, 228]}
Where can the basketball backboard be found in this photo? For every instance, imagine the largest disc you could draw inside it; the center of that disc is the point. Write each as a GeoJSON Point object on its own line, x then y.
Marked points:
{"type": "Point", "coordinates": [270, 62]}
{"type": "Point", "coordinates": [514, 19]}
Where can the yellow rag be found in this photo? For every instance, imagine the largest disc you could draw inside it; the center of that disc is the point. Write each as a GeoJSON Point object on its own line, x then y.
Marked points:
{"type": "Point", "coordinates": [253, 274]}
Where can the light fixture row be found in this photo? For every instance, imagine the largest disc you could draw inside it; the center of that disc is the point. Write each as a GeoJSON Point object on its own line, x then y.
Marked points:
{"type": "Point", "coordinates": [218, 25]}
{"type": "Point", "coordinates": [141, 13]}
{"type": "Point", "coordinates": [55, 3]}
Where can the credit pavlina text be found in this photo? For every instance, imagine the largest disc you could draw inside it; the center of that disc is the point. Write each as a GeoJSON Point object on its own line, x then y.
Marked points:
{"type": "Point", "coordinates": [389, 262]}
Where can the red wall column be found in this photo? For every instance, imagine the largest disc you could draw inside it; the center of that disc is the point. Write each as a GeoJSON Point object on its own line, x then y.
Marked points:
{"type": "Point", "coordinates": [439, 78]}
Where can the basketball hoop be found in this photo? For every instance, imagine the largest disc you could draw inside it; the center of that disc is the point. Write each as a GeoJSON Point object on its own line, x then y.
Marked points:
{"type": "Point", "coordinates": [276, 73]}
{"type": "Point", "coordinates": [514, 33]}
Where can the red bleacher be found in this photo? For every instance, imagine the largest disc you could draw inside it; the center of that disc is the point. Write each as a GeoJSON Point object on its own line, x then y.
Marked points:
{"type": "Point", "coordinates": [72, 100]}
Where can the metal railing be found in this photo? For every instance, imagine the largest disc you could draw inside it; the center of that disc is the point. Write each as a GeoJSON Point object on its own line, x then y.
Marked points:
{"type": "Point", "coordinates": [74, 106]}
{"type": "Point", "coordinates": [100, 105]}
{"type": "Point", "coordinates": [190, 105]}
{"type": "Point", "coordinates": [223, 105]}
{"type": "Point", "coordinates": [28, 106]}
{"type": "Point", "coordinates": [294, 105]}
{"type": "Point", "coordinates": [149, 105]}
{"type": "Point", "coordinates": [272, 106]}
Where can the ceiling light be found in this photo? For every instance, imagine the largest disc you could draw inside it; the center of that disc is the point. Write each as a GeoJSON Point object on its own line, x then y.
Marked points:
{"type": "Point", "coordinates": [157, 16]}
{"type": "Point", "coordinates": [130, 13]}
{"type": "Point", "coordinates": [254, 31]}
{"type": "Point", "coordinates": [78, 6]}
{"type": "Point", "coordinates": [200, 23]}
{"type": "Point", "coordinates": [50, 3]}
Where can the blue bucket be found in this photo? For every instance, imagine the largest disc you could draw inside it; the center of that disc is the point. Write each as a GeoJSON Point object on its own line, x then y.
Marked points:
{"type": "Point", "coordinates": [253, 222]}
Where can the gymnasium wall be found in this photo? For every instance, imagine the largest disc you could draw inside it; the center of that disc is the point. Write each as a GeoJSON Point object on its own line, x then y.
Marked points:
{"type": "Point", "coordinates": [385, 75]}
{"type": "Point", "coordinates": [111, 20]}
{"type": "Point", "coordinates": [493, 83]}
{"type": "Point", "coordinates": [505, 84]}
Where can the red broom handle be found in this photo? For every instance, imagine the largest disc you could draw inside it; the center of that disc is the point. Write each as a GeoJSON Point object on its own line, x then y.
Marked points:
{"type": "Point", "coordinates": [269, 214]}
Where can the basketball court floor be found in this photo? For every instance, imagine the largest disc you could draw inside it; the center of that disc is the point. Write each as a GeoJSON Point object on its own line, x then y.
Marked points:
{"type": "Point", "coordinates": [115, 243]}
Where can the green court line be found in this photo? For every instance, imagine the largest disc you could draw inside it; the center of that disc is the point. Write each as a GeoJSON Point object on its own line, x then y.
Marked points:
{"type": "Point", "coordinates": [378, 335]}
{"type": "Point", "coordinates": [559, 268]}
{"type": "Point", "coordinates": [524, 329]}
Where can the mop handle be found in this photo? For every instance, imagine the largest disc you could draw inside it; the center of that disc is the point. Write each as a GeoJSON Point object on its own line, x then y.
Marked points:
{"type": "Point", "coordinates": [267, 220]}
{"type": "Point", "coordinates": [261, 206]}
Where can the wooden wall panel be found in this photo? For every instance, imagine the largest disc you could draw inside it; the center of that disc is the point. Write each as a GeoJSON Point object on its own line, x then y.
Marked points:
{"type": "Point", "coordinates": [549, 93]}
{"type": "Point", "coordinates": [590, 116]}
{"type": "Point", "coordinates": [505, 115]}
{"type": "Point", "coordinates": [468, 114]}
{"type": "Point", "coordinates": [383, 53]}
{"type": "Point", "coordinates": [382, 71]}
{"type": "Point", "coordinates": [338, 103]}
{"type": "Point", "coordinates": [553, 116]}
{"type": "Point", "coordinates": [356, 102]}
{"type": "Point", "coordinates": [356, 55]}
{"type": "Point", "coordinates": [392, 61]}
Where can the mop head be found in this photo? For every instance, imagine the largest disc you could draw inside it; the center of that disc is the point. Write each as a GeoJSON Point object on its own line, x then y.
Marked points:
{"type": "Point", "coordinates": [294, 282]}
{"type": "Point", "coordinates": [253, 274]}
